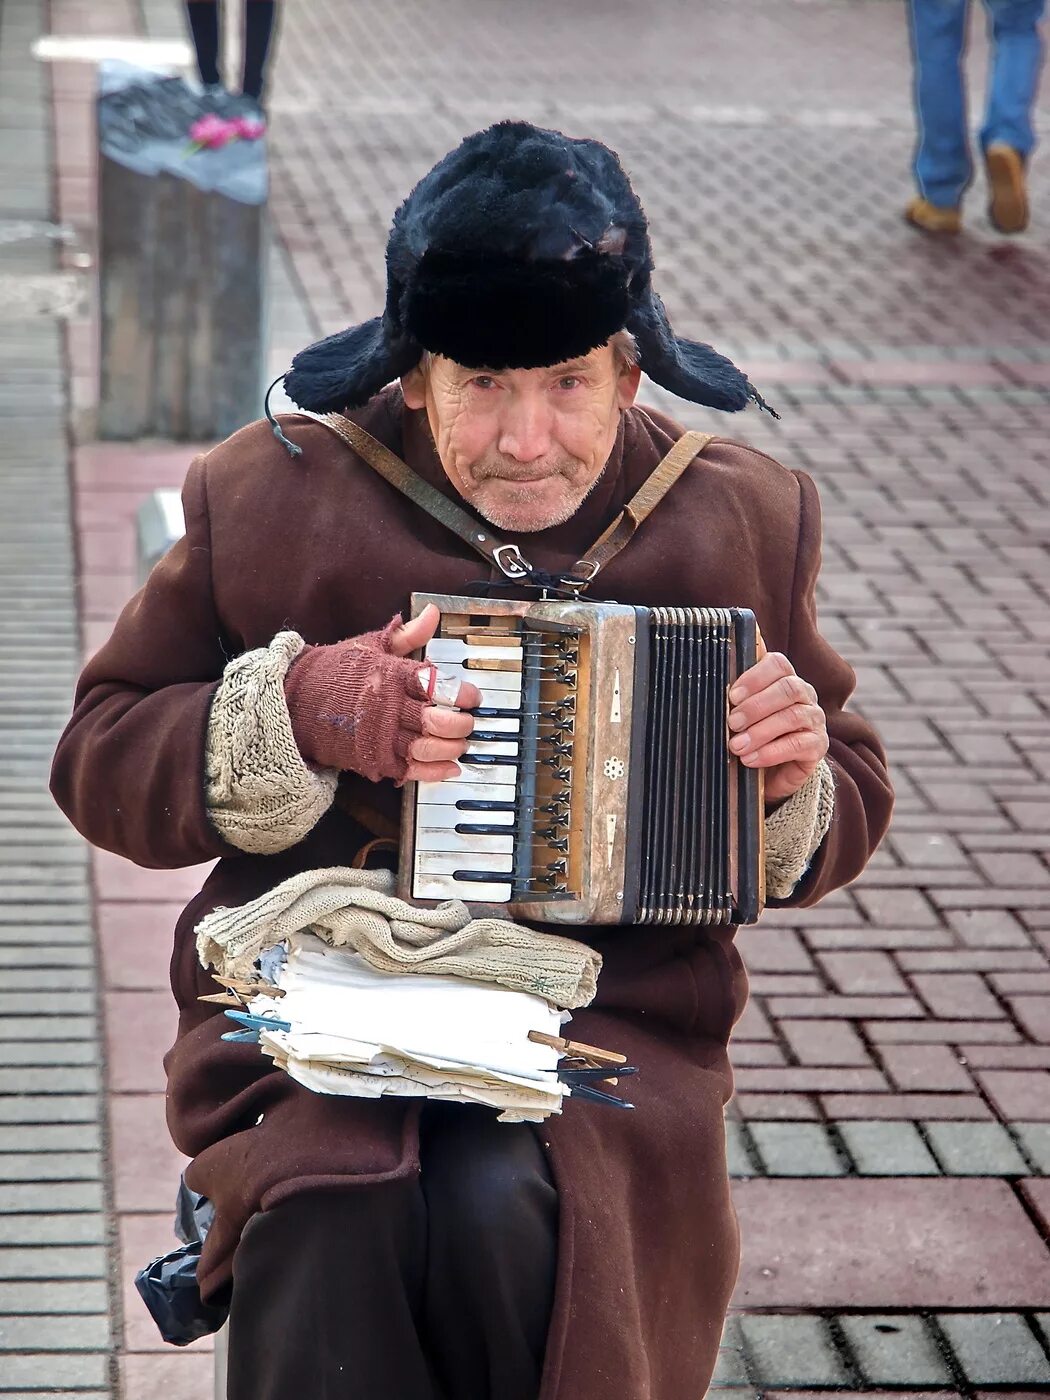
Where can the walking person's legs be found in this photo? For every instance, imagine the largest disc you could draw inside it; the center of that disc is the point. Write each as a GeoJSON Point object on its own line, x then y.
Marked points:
{"type": "Point", "coordinates": [1007, 137]}
{"type": "Point", "coordinates": [260, 17]}
{"type": "Point", "coordinates": [203, 19]}
{"type": "Point", "coordinates": [943, 165]}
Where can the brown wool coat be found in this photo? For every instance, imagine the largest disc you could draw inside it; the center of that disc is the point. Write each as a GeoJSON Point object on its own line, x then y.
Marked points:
{"type": "Point", "coordinates": [648, 1247]}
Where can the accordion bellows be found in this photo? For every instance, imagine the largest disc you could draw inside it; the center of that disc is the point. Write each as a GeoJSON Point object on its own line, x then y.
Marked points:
{"type": "Point", "coordinates": [598, 786]}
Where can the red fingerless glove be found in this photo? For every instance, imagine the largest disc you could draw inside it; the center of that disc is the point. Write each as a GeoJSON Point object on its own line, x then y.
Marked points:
{"type": "Point", "coordinates": [355, 705]}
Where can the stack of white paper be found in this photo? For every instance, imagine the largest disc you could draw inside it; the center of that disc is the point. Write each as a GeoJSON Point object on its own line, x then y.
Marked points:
{"type": "Point", "coordinates": [358, 1031]}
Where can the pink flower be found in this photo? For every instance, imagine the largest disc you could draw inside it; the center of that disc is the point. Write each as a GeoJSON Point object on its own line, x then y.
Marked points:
{"type": "Point", "coordinates": [249, 128]}
{"type": "Point", "coordinates": [213, 132]}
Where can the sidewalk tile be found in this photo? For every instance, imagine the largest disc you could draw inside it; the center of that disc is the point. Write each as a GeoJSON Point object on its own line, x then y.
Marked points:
{"type": "Point", "coordinates": [146, 1165]}
{"type": "Point", "coordinates": [895, 1350]}
{"type": "Point", "coordinates": [995, 1348]}
{"type": "Point", "coordinates": [866, 1243]}
{"type": "Point", "coordinates": [975, 1149]}
{"type": "Point", "coordinates": [826, 1043]}
{"type": "Point", "coordinates": [1035, 1138]}
{"type": "Point", "coordinates": [1018, 1093]}
{"type": "Point", "coordinates": [136, 942]}
{"type": "Point", "coordinates": [918, 1067]}
{"type": "Point", "coordinates": [791, 1350]}
{"type": "Point", "coordinates": [796, 1149]}
{"type": "Point", "coordinates": [1036, 1191]}
{"type": "Point", "coordinates": [140, 1028]}
{"type": "Point", "coordinates": [185, 1376]}
{"type": "Point", "coordinates": [887, 1149]}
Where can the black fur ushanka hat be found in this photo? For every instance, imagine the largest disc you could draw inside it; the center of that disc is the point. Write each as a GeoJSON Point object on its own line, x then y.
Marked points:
{"type": "Point", "coordinates": [522, 247]}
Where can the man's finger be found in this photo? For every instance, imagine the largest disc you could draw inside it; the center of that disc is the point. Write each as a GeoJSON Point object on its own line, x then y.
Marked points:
{"type": "Point", "coordinates": [806, 748]}
{"type": "Point", "coordinates": [447, 724]}
{"type": "Point", "coordinates": [764, 731]}
{"type": "Point", "coordinates": [773, 666]}
{"type": "Point", "coordinates": [785, 693]}
{"type": "Point", "coordinates": [430, 772]}
{"type": "Point", "coordinates": [414, 634]}
{"type": "Point", "coordinates": [429, 750]}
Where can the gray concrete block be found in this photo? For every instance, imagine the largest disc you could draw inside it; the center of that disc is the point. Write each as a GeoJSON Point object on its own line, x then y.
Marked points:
{"type": "Point", "coordinates": [19, 1029]}
{"type": "Point", "coordinates": [52, 1137]}
{"type": "Point", "coordinates": [56, 1262]}
{"type": "Point", "coordinates": [48, 1052]}
{"type": "Point", "coordinates": [54, 1333]}
{"type": "Point", "coordinates": [49, 1108]}
{"type": "Point", "coordinates": [50, 1196]}
{"type": "Point", "coordinates": [796, 1149]}
{"type": "Point", "coordinates": [975, 1149]}
{"type": "Point", "coordinates": [895, 1350]}
{"type": "Point", "coordinates": [730, 1369]}
{"type": "Point", "coordinates": [1035, 1138]}
{"type": "Point", "coordinates": [26, 1228]}
{"type": "Point", "coordinates": [48, 1371]}
{"type": "Point", "coordinates": [53, 1296]}
{"type": "Point", "coordinates": [50, 1166]}
{"type": "Point", "coordinates": [887, 1149]}
{"type": "Point", "coordinates": [50, 1079]}
{"type": "Point", "coordinates": [790, 1349]}
{"type": "Point", "coordinates": [995, 1348]}
{"type": "Point", "coordinates": [737, 1158]}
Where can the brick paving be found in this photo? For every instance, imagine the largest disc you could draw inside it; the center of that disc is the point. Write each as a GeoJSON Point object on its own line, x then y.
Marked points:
{"type": "Point", "coordinates": [891, 1132]}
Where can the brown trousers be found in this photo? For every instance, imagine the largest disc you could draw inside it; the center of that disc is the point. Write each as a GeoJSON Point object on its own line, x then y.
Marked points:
{"type": "Point", "coordinates": [434, 1289]}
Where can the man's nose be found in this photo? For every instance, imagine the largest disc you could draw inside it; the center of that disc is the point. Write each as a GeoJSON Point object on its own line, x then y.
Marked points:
{"type": "Point", "coordinates": [525, 431]}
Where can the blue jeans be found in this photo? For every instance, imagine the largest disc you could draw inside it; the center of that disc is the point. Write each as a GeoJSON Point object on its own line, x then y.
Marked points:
{"type": "Point", "coordinates": [943, 164]}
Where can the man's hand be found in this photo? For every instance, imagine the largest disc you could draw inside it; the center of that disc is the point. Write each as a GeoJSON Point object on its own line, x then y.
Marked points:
{"type": "Point", "coordinates": [361, 706]}
{"type": "Point", "coordinates": [432, 757]}
{"type": "Point", "coordinates": [777, 725]}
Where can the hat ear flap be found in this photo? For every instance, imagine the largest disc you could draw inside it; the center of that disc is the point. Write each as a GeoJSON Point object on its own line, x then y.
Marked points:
{"type": "Point", "coordinates": [686, 367]}
{"type": "Point", "coordinates": [346, 370]}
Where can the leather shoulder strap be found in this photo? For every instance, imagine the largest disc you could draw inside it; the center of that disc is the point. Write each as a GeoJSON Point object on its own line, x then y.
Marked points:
{"type": "Point", "coordinates": [481, 537]}
{"type": "Point", "coordinates": [640, 506]}
{"type": "Point", "coordinates": [478, 534]}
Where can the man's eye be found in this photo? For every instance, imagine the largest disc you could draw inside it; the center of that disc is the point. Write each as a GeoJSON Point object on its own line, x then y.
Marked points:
{"type": "Point", "coordinates": [483, 381]}
{"type": "Point", "coordinates": [569, 381]}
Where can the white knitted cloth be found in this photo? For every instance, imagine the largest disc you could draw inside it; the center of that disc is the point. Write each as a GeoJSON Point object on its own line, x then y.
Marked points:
{"type": "Point", "coordinates": [261, 795]}
{"type": "Point", "coordinates": [795, 830]}
{"type": "Point", "coordinates": [358, 909]}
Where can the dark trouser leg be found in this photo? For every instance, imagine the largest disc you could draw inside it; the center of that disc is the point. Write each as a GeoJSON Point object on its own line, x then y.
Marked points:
{"type": "Point", "coordinates": [203, 16]}
{"type": "Point", "coordinates": [259, 16]}
{"type": "Point", "coordinates": [492, 1212]}
{"type": "Point", "coordinates": [326, 1291]}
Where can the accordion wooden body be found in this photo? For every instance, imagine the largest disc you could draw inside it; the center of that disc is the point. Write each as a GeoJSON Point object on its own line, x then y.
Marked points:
{"type": "Point", "coordinates": [598, 787]}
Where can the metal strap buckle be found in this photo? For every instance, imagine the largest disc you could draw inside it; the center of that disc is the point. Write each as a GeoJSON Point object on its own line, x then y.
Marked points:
{"type": "Point", "coordinates": [574, 581]}
{"type": "Point", "coordinates": [516, 565]}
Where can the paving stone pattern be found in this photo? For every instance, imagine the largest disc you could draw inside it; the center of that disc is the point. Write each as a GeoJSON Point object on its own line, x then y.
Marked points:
{"type": "Point", "coordinates": [890, 1138]}
{"type": "Point", "coordinates": [55, 1328]}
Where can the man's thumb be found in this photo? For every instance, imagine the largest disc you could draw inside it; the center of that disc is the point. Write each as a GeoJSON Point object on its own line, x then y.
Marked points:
{"type": "Point", "coordinates": [413, 635]}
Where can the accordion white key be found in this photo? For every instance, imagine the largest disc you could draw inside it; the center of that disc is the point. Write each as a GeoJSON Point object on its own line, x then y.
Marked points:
{"type": "Point", "coordinates": [598, 786]}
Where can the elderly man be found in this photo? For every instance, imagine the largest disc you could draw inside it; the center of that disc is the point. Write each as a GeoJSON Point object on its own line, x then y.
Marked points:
{"type": "Point", "coordinates": [255, 705]}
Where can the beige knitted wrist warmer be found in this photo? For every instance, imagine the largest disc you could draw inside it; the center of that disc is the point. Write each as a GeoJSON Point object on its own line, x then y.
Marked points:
{"type": "Point", "coordinates": [795, 830]}
{"type": "Point", "coordinates": [261, 795]}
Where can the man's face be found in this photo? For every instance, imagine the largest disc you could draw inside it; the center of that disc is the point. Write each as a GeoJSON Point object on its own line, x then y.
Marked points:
{"type": "Point", "coordinates": [524, 446]}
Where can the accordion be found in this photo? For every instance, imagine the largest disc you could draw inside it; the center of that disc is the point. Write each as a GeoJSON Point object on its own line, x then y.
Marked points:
{"type": "Point", "coordinates": [597, 786]}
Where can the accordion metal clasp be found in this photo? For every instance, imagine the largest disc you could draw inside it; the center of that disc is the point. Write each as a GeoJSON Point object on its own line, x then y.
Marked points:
{"type": "Point", "coordinates": [598, 786]}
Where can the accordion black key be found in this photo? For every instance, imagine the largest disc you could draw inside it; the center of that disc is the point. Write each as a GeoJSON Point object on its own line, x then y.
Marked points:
{"type": "Point", "coordinates": [598, 786]}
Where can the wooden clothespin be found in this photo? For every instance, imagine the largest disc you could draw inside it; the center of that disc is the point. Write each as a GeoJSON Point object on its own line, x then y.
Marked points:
{"type": "Point", "coordinates": [577, 1050]}
{"type": "Point", "coordinates": [238, 992]}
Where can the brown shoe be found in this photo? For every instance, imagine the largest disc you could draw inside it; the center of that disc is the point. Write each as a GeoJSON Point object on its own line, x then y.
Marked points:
{"type": "Point", "coordinates": [1008, 205]}
{"type": "Point", "coordinates": [932, 218]}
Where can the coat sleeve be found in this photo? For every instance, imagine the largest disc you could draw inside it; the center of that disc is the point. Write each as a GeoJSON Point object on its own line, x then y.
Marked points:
{"type": "Point", "coordinates": [129, 770]}
{"type": "Point", "coordinates": [863, 793]}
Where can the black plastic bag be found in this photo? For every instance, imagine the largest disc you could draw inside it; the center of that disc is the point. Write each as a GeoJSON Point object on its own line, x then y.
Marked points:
{"type": "Point", "coordinates": [168, 1285]}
